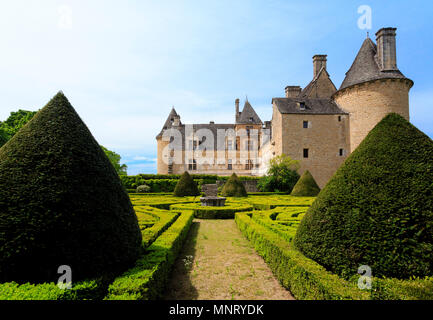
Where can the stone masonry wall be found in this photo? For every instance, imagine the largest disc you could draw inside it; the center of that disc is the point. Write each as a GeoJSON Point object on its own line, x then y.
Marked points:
{"type": "Point", "coordinates": [370, 102]}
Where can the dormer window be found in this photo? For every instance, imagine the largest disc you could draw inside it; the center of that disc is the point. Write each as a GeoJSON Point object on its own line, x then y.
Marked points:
{"type": "Point", "coordinates": [302, 105]}
{"type": "Point", "coordinates": [251, 119]}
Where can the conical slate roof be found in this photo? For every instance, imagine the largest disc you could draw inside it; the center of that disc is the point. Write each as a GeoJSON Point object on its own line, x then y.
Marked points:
{"type": "Point", "coordinates": [62, 202]}
{"type": "Point", "coordinates": [366, 68]}
{"type": "Point", "coordinates": [248, 115]}
{"type": "Point", "coordinates": [377, 208]}
{"type": "Point", "coordinates": [169, 122]}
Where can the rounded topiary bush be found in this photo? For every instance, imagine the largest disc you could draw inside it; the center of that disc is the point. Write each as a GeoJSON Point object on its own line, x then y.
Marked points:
{"type": "Point", "coordinates": [143, 189]}
{"type": "Point", "coordinates": [306, 186]}
{"type": "Point", "coordinates": [377, 209]}
{"type": "Point", "coordinates": [186, 186]}
{"type": "Point", "coordinates": [234, 187]}
{"type": "Point", "coordinates": [62, 202]}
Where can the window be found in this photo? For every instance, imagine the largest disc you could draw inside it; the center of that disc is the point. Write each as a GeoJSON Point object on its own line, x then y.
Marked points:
{"type": "Point", "coordinates": [249, 145]}
{"type": "Point", "coordinates": [302, 105]}
{"type": "Point", "coordinates": [341, 152]}
{"type": "Point", "coordinates": [339, 118]}
{"type": "Point", "coordinates": [305, 124]}
{"type": "Point", "coordinates": [305, 153]}
{"type": "Point", "coordinates": [192, 144]}
{"type": "Point", "coordinates": [229, 144]}
{"type": "Point", "coordinates": [229, 164]}
{"type": "Point", "coordinates": [192, 164]}
{"type": "Point", "coordinates": [251, 119]}
{"type": "Point", "coordinates": [249, 165]}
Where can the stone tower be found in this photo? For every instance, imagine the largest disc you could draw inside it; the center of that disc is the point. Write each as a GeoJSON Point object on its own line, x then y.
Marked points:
{"type": "Point", "coordinates": [373, 86]}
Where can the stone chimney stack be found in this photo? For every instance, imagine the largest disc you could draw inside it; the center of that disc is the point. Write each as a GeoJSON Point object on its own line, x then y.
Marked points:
{"type": "Point", "coordinates": [386, 51]}
{"type": "Point", "coordinates": [319, 61]}
{"type": "Point", "coordinates": [292, 91]}
{"type": "Point", "coordinates": [237, 109]}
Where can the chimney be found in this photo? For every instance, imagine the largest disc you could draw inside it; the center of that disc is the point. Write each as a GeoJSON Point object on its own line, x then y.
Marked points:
{"type": "Point", "coordinates": [293, 91]}
{"type": "Point", "coordinates": [237, 109]}
{"type": "Point", "coordinates": [319, 61]}
{"type": "Point", "coordinates": [386, 52]}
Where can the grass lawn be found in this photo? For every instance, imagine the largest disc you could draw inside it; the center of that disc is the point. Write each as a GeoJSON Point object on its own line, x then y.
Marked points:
{"type": "Point", "coordinates": [217, 262]}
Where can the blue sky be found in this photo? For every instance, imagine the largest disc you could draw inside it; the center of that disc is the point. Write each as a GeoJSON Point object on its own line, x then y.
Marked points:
{"type": "Point", "coordinates": [124, 64]}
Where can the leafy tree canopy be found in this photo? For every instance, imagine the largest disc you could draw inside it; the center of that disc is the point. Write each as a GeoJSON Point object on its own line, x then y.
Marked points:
{"type": "Point", "coordinates": [282, 175]}
{"type": "Point", "coordinates": [115, 161]}
{"type": "Point", "coordinates": [14, 123]}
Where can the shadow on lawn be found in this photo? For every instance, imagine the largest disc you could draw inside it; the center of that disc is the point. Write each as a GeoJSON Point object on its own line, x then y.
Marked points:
{"type": "Point", "coordinates": [179, 286]}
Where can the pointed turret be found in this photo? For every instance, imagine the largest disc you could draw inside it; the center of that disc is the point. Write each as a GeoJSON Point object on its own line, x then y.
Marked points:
{"type": "Point", "coordinates": [248, 115]}
{"type": "Point", "coordinates": [173, 120]}
{"type": "Point", "coordinates": [373, 86]}
{"type": "Point", "coordinates": [367, 66]}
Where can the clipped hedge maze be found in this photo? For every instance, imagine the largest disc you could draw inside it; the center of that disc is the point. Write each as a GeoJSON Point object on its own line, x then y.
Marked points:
{"type": "Point", "coordinates": [226, 212]}
{"type": "Point", "coordinates": [163, 233]}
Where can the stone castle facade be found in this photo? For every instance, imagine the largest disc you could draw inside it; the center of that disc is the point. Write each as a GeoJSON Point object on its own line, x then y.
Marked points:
{"type": "Point", "coordinates": [318, 125]}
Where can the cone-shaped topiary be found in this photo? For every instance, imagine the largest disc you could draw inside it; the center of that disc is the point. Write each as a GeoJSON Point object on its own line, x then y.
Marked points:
{"type": "Point", "coordinates": [306, 186]}
{"type": "Point", "coordinates": [234, 187]}
{"type": "Point", "coordinates": [377, 210]}
{"type": "Point", "coordinates": [61, 202]}
{"type": "Point", "coordinates": [186, 186]}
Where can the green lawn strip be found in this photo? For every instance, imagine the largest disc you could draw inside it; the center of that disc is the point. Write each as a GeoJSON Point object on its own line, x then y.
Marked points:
{"type": "Point", "coordinates": [304, 278]}
{"type": "Point", "coordinates": [146, 281]}
{"type": "Point", "coordinates": [226, 212]}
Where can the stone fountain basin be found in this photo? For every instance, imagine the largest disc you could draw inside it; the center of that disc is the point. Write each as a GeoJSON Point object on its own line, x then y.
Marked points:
{"type": "Point", "coordinates": [213, 201]}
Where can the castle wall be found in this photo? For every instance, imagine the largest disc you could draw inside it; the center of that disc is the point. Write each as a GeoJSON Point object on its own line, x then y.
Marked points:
{"type": "Point", "coordinates": [323, 139]}
{"type": "Point", "coordinates": [370, 102]}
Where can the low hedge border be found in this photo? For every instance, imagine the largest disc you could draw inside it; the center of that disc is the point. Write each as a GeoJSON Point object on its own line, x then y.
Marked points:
{"type": "Point", "coordinates": [146, 281]}
{"type": "Point", "coordinates": [94, 289]}
{"type": "Point", "coordinates": [304, 278]}
{"type": "Point", "coordinates": [308, 280]}
{"type": "Point", "coordinates": [284, 228]}
{"type": "Point", "coordinates": [164, 219]}
{"type": "Point", "coordinates": [226, 212]}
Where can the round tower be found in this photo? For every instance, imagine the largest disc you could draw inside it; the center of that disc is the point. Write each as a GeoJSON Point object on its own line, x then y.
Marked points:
{"type": "Point", "coordinates": [373, 86]}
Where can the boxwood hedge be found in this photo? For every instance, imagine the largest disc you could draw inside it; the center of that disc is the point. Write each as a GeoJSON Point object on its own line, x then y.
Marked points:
{"type": "Point", "coordinates": [61, 202]}
{"type": "Point", "coordinates": [377, 209]}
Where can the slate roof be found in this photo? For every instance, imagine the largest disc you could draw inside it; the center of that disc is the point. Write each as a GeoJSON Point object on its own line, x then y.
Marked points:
{"type": "Point", "coordinates": [248, 115]}
{"type": "Point", "coordinates": [168, 122]}
{"type": "Point", "coordinates": [365, 67]}
{"type": "Point", "coordinates": [307, 90]}
{"type": "Point", "coordinates": [312, 106]}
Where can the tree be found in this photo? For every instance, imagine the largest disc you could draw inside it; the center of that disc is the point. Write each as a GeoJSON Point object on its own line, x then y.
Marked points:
{"type": "Point", "coordinates": [234, 188]}
{"type": "Point", "coordinates": [377, 208]}
{"type": "Point", "coordinates": [114, 158]}
{"type": "Point", "coordinates": [14, 123]}
{"type": "Point", "coordinates": [306, 186]}
{"type": "Point", "coordinates": [282, 175]}
{"type": "Point", "coordinates": [62, 202]}
{"type": "Point", "coordinates": [186, 186]}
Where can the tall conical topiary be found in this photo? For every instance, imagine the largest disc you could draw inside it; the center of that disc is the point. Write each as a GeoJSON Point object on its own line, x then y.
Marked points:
{"type": "Point", "coordinates": [377, 210]}
{"type": "Point", "coordinates": [234, 187]}
{"type": "Point", "coordinates": [306, 186]}
{"type": "Point", "coordinates": [186, 186]}
{"type": "Point", "coordinates": [61, 202]}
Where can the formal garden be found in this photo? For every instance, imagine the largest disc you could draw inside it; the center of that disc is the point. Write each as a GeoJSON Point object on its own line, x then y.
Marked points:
{"type": "Point", "coordinates": [149, 237]}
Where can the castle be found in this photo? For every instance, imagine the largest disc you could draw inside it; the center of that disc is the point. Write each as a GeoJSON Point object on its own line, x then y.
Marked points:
{"type": "Point", "coordinates": [318, 125]}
